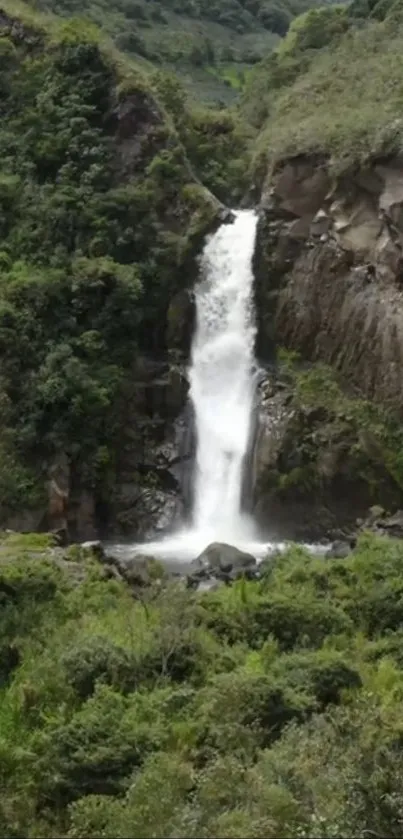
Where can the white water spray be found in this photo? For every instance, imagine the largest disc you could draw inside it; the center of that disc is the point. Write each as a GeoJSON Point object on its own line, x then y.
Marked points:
{"type": "Point", "coordinates": [222, 384]}
{"type": "Point", "coordinates": [222, 389]}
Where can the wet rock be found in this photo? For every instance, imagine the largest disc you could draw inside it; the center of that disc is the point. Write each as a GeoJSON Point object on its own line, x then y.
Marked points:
{"type": "Point", "coordinates": [180, 320]}
{"type": "Point", "coordinates": [146, 499]}
{"type": "Point", "coordinates": [140, 571]}
{"type": "Point", "coordinates": [379, 522]}
{"type": "Point", "coordinates": [226, 216]}
{"type": "Point", "coordinates": [222, 558]}
{"type": "Point", "coordinates": [246, 572]}
{"type": "Point", "coordinates": [339, 550]}
{"type": "Point", "coordinates": [221, 564]}
{"type": "Point", "coordinates": [94, 549]}
{"type": "Point", "coordinates": [195, 581]}
{"type": "Point", "coordinates": [206, 584]}
{"type": "Point", "coordinates": [145, 513]}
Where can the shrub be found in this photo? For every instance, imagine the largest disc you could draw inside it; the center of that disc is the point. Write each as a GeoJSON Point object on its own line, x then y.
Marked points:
{"type": "Point", "coordinates": [95, 751]}
{"type": "Point", "coordinates": [98, 660]}
{"type": "Point", "coordinates": [241, 710]}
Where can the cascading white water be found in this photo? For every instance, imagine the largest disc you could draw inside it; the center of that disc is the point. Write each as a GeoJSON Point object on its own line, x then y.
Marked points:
{"type": "Point", "coordinates": [221, 377]}
{"type": "Point", "coordinates": [222, 388]}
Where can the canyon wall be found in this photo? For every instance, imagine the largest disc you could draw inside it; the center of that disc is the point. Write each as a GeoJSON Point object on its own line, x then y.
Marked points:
{"type": "Point", "coordinates": [329, 275]}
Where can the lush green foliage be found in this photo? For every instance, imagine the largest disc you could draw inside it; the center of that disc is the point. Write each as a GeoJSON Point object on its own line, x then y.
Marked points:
{"type": "Point", "coordinates": [210, 44]}
{"type": "Point", "coordinates": [265, 709]}
{"type": "Point", "coordinates": [336, 433]}
{"type": "Point", "coordinates": [333, 87]}
{"type": "Point", "coordinates": [94, 236]}
{"type": "Point", "coordinates": [216, 141]}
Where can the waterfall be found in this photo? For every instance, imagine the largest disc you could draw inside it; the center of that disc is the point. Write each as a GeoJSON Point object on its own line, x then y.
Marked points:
{"type": "Point", "coordinates": [222, 412]}
{"type": "Point", "coordinates": [222, 384]}
{"type": "Point", "coordinates": [222, 378]}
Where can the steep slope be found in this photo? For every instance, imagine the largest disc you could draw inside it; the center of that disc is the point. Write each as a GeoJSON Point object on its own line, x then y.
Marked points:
{"type": "Point", "coordinates": [100, 219]}
{"type": "Point", "coordinates": [329, 256]}
{"type": "Point", "coordinates": [332, 88]}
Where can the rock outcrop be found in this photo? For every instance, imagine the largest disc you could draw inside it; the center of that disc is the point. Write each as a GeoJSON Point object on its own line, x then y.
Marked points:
{"type": "Point", "coordinates": [318, 462]}
{"type": "Point", "coordinates": [223, 562]}
{"type": "Point", "coordinates": [329, 271]}
{"type": "Point", "coordinates": [329, 284]}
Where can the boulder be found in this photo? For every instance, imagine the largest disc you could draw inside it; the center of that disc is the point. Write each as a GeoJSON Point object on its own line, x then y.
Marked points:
{"type": "Point", "coordinates": [140, 571]}
{"type": "Point", "coordinates": [94, 549]}
{"type": "Point", "coordinates": [339, 550]}
{"type": "Point", "coordinates": [393, 525]}
{"type": "Point", "coordinates": [222, 558]}
{"type": "Point", "coordinates": [225, 215]}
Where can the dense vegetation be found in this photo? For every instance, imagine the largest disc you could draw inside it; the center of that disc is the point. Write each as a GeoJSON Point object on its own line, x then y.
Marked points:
{"type": "Point", "coordinates": [210, 44]}
{"type": "Point", "coordinates": [332, 432]}
{"type": "Point", "coordinates": [269, 708]}
{"type": "Point", "coordinates": [97, 234]}
{"type": "Point", "coordinates": [333, 87]}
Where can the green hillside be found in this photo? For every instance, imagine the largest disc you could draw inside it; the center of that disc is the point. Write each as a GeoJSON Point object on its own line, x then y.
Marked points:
{"type": "Point", "coordinates": [101, 213]}
{"type": "Point", "coordinates": [333, 87]}
{"type": "Point", "coordinates": [211, 45]}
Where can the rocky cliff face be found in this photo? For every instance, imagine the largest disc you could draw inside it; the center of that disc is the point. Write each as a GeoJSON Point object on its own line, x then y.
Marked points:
{"type": "Point", "coordinates": [320, 460]}
{"type": "Point", "coordinates": [329, 271]}
{"type": "Point", "coordinates": [329, 283]}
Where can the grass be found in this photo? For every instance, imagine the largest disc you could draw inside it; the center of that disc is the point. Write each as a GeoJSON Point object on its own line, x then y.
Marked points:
{"type": "Point", "coordinates": [346, 105]}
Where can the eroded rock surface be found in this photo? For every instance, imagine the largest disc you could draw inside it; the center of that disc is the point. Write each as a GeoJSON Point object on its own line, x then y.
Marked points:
{"type": "Point", "coordinates": [220, 561]}
{"type": "Point", "coordinates": [330, 271]}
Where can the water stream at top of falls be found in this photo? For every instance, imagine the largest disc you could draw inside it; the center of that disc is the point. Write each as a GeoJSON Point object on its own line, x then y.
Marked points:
{"type": "Point", "coordinates": [222, 390]}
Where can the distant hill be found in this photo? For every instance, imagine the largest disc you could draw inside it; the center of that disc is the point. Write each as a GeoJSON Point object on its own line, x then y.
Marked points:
{"type": "Point", "coordinates": [211, 44]}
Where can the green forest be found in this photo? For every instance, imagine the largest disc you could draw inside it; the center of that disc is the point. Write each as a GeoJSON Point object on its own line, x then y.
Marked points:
{"type": "Point", "coordinates": [93, 243]}
{"type": "Point", "coordinates": [211, 45]}
{"type": "Point", "coordinates": [270, 707]}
